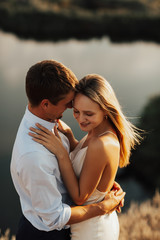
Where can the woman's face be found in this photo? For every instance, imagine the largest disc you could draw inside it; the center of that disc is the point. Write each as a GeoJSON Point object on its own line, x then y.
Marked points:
{"type": "Point", "coordinates": [88, 114]}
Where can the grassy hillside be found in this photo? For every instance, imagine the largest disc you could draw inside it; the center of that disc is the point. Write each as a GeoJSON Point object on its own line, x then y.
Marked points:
{"type": "Point", "coordinates": [121, 20]}
{"type": "Point", "coordinates": [140, 222]}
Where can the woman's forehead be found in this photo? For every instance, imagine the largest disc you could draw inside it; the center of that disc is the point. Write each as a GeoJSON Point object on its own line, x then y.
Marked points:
{"type": "Point", "coordinates": [84, 103]}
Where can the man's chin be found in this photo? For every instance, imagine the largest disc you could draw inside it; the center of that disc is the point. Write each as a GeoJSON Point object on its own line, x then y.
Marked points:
{"type": "Point", "coordinates": [59, 117]}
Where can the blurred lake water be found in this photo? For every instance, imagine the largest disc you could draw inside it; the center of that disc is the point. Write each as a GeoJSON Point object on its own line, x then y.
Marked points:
{"type": "Point", "coordinates": [131, 68]}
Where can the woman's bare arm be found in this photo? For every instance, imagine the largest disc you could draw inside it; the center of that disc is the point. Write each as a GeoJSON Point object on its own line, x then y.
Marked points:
{"type": "Point", "coordinates": [96, 162]}
{"type": "Point", "coordinates": [93, 168]}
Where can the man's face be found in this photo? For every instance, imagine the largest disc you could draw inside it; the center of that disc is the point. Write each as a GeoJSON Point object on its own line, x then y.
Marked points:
{"type": "Point", "coordinates": [56, 111]}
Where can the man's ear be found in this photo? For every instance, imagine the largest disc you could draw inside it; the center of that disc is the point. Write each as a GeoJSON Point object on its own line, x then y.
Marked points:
{"type": "Point", "coordinates": [44, 104]}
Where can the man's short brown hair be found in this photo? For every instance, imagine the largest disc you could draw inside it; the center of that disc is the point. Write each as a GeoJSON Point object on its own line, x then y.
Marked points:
{"type": "Point", "coordinates": [50, 80]}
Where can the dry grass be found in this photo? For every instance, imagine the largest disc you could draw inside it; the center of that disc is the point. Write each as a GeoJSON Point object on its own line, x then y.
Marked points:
{"type": "Point", "coordinates": [140, 222]}
{"type": "Point", "coordinates": [6, 236]}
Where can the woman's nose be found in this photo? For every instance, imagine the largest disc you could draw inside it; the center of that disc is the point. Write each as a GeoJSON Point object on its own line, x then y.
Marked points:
{"type": "Point", "coordinates": [81, 118]}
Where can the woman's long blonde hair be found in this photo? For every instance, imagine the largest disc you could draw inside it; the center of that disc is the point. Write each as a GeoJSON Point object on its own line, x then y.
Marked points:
{"type": "Point", "coordinates": [100, 91]}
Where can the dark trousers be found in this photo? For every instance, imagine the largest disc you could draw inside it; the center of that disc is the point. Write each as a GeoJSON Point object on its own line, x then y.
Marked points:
{"type": "Point", "coordinates": [26, 231]}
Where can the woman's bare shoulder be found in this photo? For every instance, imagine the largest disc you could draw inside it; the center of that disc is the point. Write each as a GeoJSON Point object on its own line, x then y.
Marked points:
{"type": "Point", "coordinates": [106, 145]}
{"type": "Point", "coordinates": [104, 141]}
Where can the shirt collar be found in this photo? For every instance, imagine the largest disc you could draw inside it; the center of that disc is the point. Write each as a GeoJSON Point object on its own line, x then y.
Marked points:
{"type": "Point", "coordinates": [33, 119]}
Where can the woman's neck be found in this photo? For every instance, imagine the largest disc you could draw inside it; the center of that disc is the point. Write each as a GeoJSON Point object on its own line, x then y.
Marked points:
{"type": "Point", "coordinates": [103, 127]}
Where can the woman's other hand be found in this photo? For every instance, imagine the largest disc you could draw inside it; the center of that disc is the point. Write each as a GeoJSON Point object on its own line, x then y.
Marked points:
{"type": "Point", "coordinates": [118, 190]}
{"type": "Point", "coordinates": [112, 201]}
{"type": "Point", "coordinates": [63, 127]}
{"type": "Point", "coordinates": [66, 130]}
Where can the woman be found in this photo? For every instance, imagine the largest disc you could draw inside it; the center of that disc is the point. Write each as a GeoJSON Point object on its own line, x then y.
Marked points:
{"type": "Point", "coordinates": [95, 159]}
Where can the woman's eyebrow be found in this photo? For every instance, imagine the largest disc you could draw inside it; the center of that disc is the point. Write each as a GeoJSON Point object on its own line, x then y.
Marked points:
{"type": "Point", "coordinates": [85, 111]}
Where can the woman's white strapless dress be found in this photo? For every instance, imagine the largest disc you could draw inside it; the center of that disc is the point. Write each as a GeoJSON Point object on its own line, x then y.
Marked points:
{"type": "Point", "coordinates": [104, 227]}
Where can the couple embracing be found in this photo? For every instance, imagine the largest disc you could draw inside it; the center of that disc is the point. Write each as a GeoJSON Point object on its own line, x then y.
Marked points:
{"type": "Point", "coordinates": [67, 188]}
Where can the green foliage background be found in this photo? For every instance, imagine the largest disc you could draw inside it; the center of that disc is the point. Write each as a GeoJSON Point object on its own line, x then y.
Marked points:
{"type": "Point", "coordinates": [146, 159]}
{"type": "Point", "coordinates": [121, 20]}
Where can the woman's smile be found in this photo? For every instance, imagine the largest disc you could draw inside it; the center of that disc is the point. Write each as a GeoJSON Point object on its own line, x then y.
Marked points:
{"type": "Point", "coordinates": [84, 124]}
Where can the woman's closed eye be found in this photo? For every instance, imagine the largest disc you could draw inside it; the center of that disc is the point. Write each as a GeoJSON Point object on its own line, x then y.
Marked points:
{"type": "Point", "coordinates": [75, 111]}
{"type": "Point", "coordinates": [86, 113]}
{"type": "Point", "coordinates": [89, 114]}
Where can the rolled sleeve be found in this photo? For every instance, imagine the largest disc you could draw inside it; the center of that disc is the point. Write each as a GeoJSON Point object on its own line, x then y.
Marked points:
{"type": "Point", "coordinates": [39, 174]}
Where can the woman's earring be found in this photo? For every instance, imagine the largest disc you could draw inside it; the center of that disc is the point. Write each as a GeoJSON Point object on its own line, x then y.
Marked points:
{"type": "Point", "coordinates": [105, 116]}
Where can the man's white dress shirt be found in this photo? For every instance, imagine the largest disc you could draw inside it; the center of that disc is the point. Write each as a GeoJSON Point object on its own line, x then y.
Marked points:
{"type": "Point", "coordinates": [37, 179]}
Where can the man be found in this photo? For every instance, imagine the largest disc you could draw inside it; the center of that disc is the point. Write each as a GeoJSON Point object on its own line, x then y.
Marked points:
{"type": "Point", "coordinates": [35, 173]}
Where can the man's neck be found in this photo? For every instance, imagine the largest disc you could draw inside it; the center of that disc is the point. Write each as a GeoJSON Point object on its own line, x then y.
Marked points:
{"type": "Point", "coordinates": [37, 111]}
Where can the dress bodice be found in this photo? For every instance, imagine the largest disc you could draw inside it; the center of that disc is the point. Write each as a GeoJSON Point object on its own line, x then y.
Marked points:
{"type": "Point", "coordinates": [100, 227]}
{"type": "Point", "coordinates": [77, 157]}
